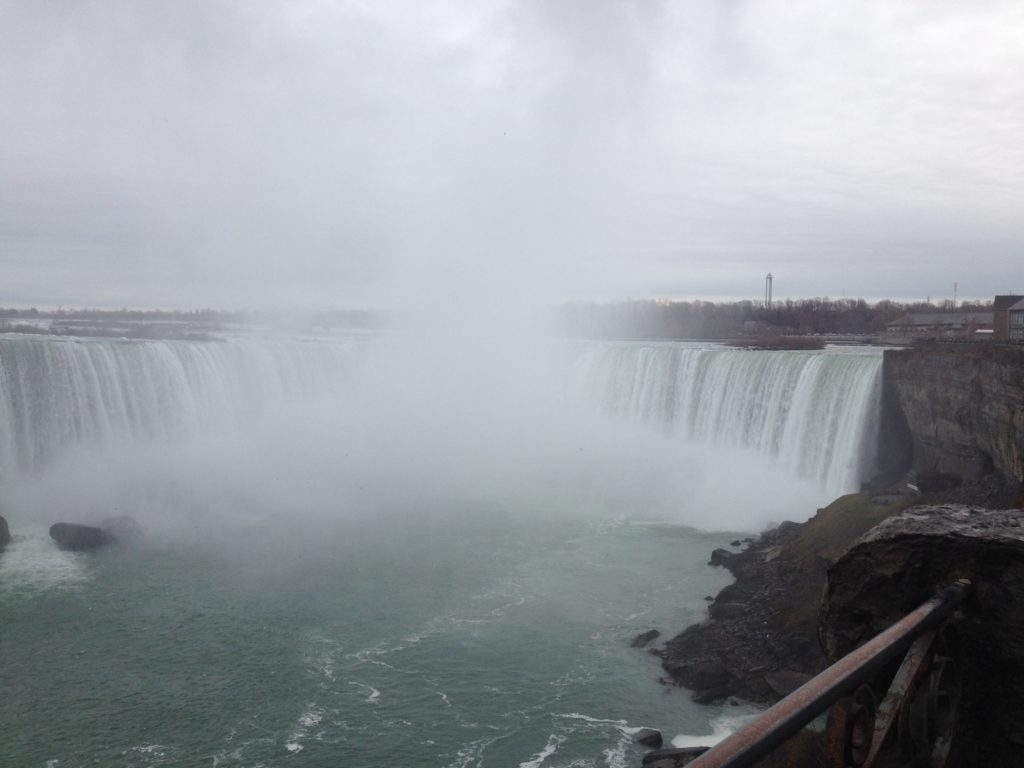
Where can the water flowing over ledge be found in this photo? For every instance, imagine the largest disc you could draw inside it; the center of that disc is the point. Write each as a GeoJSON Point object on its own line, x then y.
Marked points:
{"type": "Point", "coordinates": [364, 512]}
{"type": "Point", "coordinates": [814, 413]}
{"type": "Point", "coordinates": [811, 415]}
{"type": "Point", "coordinates": [55, 394]}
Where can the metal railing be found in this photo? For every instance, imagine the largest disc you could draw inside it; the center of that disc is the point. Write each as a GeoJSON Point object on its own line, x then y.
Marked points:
{"type": "Point", "coordinates": [858, 728]}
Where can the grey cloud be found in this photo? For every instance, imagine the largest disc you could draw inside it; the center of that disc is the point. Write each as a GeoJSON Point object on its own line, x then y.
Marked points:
{"type": "Point", "coordinates": [332, 154]}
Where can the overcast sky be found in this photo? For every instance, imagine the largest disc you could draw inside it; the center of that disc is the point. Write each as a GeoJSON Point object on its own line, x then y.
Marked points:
{"type": "Point", "coordinates": [197, 153]}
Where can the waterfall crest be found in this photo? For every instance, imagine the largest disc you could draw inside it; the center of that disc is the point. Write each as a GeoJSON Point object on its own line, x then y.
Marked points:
{"type": "Point", "coordinates": [55, 394]}
{"type": "Point", "coordinates": [813, 413]}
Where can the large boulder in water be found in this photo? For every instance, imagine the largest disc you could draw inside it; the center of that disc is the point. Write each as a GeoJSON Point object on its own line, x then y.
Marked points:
{"type": "Point", "coordinates": [644, 638]}
{"type": "Point", "coordinates": [649, 737]}
{"type": "Point", "coordinates": [5, 533]}
{"type": "Point", "coordinates": [74, 537]}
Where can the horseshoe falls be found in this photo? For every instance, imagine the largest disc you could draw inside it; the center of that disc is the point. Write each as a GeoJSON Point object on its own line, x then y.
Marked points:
{"type": "Point", "coordinates": [57, 394]}
{"type": "Point", "coordinates": [813, 414]}
{"type": "Point", "coordinates": [370, 548]}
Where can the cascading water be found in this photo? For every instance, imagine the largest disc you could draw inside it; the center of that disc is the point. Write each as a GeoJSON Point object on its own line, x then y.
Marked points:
{"type": "Point", "coordinates": [813, 413]}
{"type": "Point", "coordinates": [58, 394]}
{"type": "Point", "coordinates": [356, 542]}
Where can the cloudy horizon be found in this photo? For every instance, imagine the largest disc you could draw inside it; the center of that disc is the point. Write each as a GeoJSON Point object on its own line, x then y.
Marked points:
{"type": "Point", "coordinates": [356, 154]}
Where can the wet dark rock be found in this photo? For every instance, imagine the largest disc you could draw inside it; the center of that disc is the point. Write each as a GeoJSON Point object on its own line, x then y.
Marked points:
{"type": "Point", "coordinates": [784, 681]}
{"type": "Point", "coordinates": [74, 537]}
{"type": "Point", "coordinates": [644, 638]}
{"type": "Point", "coordinates": [649, 737]}
{"type": "Point", "coordinates": [704, 672]}
{"type": "Point", "coordinates": [929, 482]}
{"type": "Point", "coordinates": [708, 599]}
{"type": "Point", "coordinates": [720, 610]}
{"type": "Point", "coordinates": [122, 529]}
{"type": "Point", "coordinates": [672, 758]}
{"type": "Point", "coordinates": [5, 533]}
{"type": "Point", "coordinates": [720, 557]}
{"type": "Point", "coordinates": [902, 562]}
{"type": "Point", "coordinates": [736, 543]}
{"type": "Point", "coordinates": [766, 621]}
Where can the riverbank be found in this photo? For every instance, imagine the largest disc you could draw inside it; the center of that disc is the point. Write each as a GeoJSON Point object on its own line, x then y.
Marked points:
{"type": "Point", "coordinates": [760, 640]}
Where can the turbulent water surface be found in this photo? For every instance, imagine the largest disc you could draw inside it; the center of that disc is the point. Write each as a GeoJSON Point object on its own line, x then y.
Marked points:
{"type": "Point", "coordinates": [350, 562]}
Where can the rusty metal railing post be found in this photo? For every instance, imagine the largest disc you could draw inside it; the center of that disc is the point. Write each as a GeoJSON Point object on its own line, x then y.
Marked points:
{"type": "Point", "coordinates": [778, 723]}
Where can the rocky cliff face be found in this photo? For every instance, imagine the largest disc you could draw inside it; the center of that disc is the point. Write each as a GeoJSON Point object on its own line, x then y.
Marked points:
{"type": "Point", "coordinates": [964, 406]}
{"type": "Point", "coordinates": [902, 562]}
{"type": "Point", "coordinates": [760, 639]}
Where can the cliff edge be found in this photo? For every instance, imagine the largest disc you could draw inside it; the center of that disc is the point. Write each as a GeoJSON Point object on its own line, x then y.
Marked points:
{"type": "Point", "coordinates": [964, 407]}
{"type": "Point", "coordinates": [960, 410]}
{"type": "Point", "coordinates": [760, 640]}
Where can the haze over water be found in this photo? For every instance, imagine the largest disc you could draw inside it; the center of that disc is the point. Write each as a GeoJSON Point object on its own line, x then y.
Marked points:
{"type": "Point", "coordinates": [433, 544]}
{"type": "Point", "coordinates": [352, 552]}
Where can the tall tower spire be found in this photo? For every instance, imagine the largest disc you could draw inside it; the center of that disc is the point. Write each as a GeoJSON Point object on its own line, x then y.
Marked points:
{"type": "Point", "coordinates": [768, 291]}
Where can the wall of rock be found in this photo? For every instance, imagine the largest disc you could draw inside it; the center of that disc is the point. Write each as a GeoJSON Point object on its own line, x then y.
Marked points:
{"type": "Point", "coordinates": [964, 408]}
{"type": "Point", "coordinates": [902, 562]}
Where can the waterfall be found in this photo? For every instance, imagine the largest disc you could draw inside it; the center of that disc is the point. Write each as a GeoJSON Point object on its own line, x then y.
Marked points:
{"type": "Point", "coordinates": [56, 394]}
{"type": "Point", "coordinates": [812, 413]}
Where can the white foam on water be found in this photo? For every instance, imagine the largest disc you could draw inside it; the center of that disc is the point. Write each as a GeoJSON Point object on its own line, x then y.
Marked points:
{"type": "Point", "coordinates": [554, 742]}
{"type": "Point", "coordinates": [619, 755]}
{"type": "Point", "coordinates": [633, 730]}
{"type": "Point", "coordinates": [34, 562]}
{"type": "Point", "coordinates": [308, 719]}
{"type": "Point", "coordinates": [154, 750]}
{"type": "Point", "coordinates": [368, 655]}
{"type": "Point", "coordinates": [372, 693]}
{"type": "Point", "coordinates": [471, 754]}
{"type": "Point", "coordinates": [313, 717]}
{"type": "Point", "coordinates": [320, 658]}
{"type": "Point", "coordinates": [234, 755]}
{"type": "Point", "coordinates": [615, 757]}
{"type": "Point", "coordinates": [721, 727]}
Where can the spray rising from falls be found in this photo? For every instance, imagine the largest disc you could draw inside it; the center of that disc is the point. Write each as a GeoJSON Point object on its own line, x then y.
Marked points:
{"type": "Point", "coordinates": [169, 428]}
{"type": "Point", "coordinates": [354, 514]}
{"type": "Point", "coordinates": [814, 414]}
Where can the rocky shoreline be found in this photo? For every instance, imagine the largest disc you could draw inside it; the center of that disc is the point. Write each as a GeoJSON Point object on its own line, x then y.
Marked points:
{"type": "Point", "coordinates": [760, 639]}
{"type": "Point", "coordinates": [744, 649]}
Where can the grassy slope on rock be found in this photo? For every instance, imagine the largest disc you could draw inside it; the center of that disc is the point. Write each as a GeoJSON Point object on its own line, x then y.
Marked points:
{"type": "Point", "coordinates": [818, 543]}
{"type": "Point", "coordinates": [766, 621]}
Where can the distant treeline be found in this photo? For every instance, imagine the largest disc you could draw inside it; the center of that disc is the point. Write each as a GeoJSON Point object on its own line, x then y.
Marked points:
{"type": "Point", "coordinates": [659, 319]}
{"type": "Point", "coordinates": [208, 318]}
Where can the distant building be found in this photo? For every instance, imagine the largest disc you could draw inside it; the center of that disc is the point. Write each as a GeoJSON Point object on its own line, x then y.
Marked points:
{"type": "Point", "coordinates": [1001, 308]}
{"type": "Point", "coordinates": [1015, 317]}
{"type": "Point", "coordinates": [965, 326]}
